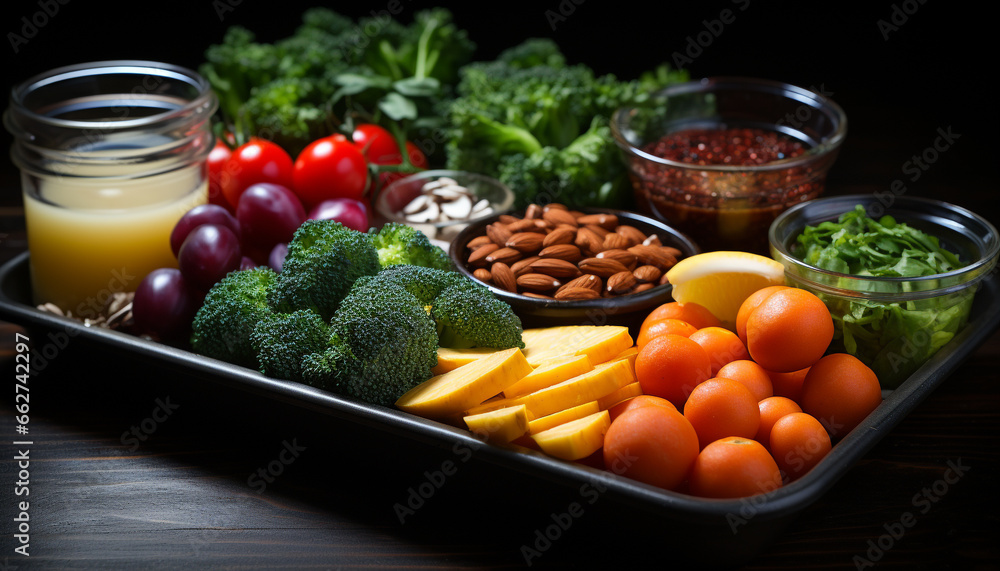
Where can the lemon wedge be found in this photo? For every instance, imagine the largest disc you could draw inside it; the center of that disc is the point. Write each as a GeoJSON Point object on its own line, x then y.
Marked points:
{"type": "Point", "coordinates": [720, 281]}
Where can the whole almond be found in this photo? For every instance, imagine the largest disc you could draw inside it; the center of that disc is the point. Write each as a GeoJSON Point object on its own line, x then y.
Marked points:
{"type": "Point", "coordinates": [559, 216]}
{"type": "Point", "coordinates": [498, 233]}
{"type": "Point", "coordinates": [525, 242]}
{"type": "Point", "coordinates": [589, 281]}
{"type": "Point", "coordinates": [536, 295]}
{"type": "Point", "coordinates": [568, 252]}
{"type": "Point", "coordinates": [575, 293]}
{"type": "Point", "coordinates": [478, 241]}
{"type": "Point", "coordinates": [506, 219]}
{"type": "Point", "coordinates": [647, 274]}
{"type": "Point", "coordinates": [653, 256]}
{"type": "Point", "coordinates": [627, 259]}
{"type": "Point", "coordinates": [503, 277]}
{"type": "Point", "coordinates": [505, 255]}
{"type": "Point", "coordinates": [523, 265]}
{"type": "Point", "coordinates": [588, 242]}
{"type": "Point", "coordinates": [559, 236]}
{"type": "Point", "coordinates": [478, 256]}
{"type": "Point", "coordinates": [597, 229]}
{"type": "Point", "coordinates": [615, 241]}
{"type": "Point", "coordinates": [533, 211]}
{"type": "Point", "coordinates": [642, 287]}
{"type": "Point", "coordinates": [537, 282]}
{"type": "Point", "coordinates": [620, 283]}
{"type": "Point", "coordinates": [603, 267]}
{"type": "Point", "coordinates": [553, 205]}
{"type": "Point", "coordinates": [555, 267]}
{"type": "Point", "coordinates": [524, 225]}
{"type": "Point", "coordinates": [652, 240]}
{"type": "Point", "coordinates": [606, 221]}
{"type": "Point", "coordinates": [631, 232]}
{"type": "Point", "coordinates": [483, 275]}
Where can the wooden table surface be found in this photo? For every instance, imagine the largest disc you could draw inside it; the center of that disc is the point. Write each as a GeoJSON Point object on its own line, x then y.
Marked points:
{"type": "Point", "coordinates": [137, 467]}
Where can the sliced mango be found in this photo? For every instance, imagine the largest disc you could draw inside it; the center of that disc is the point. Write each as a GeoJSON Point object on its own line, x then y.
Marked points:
{"type": "Point", "coordinates": [467, 386]}
{"type": "Point", "coordinates": [548, 373]}
{"type": "Point", "coordinates": [562, 417]}
{"type": "Point", "coordinates": [575, 439]}
{"type": "Point", "coordinates": [449, 359]}
{"type": "Point", "coordinates": [592, 385]}
{"type": "Point", "coordinates": [598, 342]}
{"type": "Point", "coordinates": [628, 391]}
{"type": "Point", "coordinates": [501, 425]}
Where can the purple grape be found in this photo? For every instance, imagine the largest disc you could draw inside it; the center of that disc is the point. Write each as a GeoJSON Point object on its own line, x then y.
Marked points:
{"type": "Point", "coordinates": [348, 211]}
{"type": "Point", "coordinates": [247, 263]}
{"type": "Point", "coordinates": [268, 214]}
{"type": "Point", "coordinates": [164, 305]}
{"type": "Point", "coordinates": [277, 257]}
{"type": "Point", "coordinates": [201, 214]}
{"type": "Point", "coordinates": [209, 253]}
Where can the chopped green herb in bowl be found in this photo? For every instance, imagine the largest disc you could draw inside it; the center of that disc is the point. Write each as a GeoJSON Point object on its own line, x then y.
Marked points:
{"type": "Point", "coordinates": [899, 281]}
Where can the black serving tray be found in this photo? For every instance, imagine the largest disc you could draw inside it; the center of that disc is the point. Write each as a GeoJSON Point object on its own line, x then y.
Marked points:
{"type": "Point", "coordinates": [701, 525]}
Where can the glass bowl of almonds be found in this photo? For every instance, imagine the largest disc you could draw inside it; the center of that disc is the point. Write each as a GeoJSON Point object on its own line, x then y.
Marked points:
{"type": "Point", "coordinates": [440, 203]}
{"type": "Point", "coordinates": [559, 266]}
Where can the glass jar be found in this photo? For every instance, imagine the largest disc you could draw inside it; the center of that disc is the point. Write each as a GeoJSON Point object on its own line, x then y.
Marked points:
{"type": "Point", "coordinates": [111, 155]}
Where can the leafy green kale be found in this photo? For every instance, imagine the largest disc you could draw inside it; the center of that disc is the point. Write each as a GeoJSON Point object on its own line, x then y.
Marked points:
{"type": "Point", "coordinates": [540, 125]}
{"type": "Point", "coordinates": [894, 339]}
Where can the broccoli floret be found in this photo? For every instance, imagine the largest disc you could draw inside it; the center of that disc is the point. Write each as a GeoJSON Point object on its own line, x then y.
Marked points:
{"type": "Point", "coordinates": [423, 282]}
{"type": "Point", "coordinates": [383, 344]}
{"type": "Point", "coordinates": [232, 309]}
{"type": "Point", "coordinates": [285, 339]}
{"type": "Point", "coordinates": [323, 261]}
{"type": "Point", "coordinates": [398, 243]}
{"type": "Point", "coordinates": [469, 315]}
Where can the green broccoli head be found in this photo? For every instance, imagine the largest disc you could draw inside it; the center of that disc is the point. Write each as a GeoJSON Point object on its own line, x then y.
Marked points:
{"type": "Point", "coordinates": [423, 282]}
{"type": "Point", "coordinates": [469, 315]}
{"type": "Point", "coordinates": [398, 243]}
{"type": "Point", "coordinates": [323, 261]}
{"type": "Point", "coordinates": [383, 344]}
{"type": "Point", "coordinates": [285, 339]}
{"type": "Point", "coordinates": [232, 309]}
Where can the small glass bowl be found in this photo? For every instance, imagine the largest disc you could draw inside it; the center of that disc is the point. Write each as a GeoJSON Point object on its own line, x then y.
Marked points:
{"type": "Point", "coordinates": [892, 324]}
{"type": "Point", "coordinates": [391, 201]}
{"type": "Point", "coordinates": [728, 207]}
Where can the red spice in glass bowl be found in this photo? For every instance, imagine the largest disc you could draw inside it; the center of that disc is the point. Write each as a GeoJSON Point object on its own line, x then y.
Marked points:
{"type": "Point", "coordinates": [721, 158]}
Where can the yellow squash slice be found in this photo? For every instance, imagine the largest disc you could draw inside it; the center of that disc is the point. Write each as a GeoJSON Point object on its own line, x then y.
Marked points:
{"type": "Point", "coordinates": [562, 417]}
{"type": "Point", "coordinates": [575, 439]}
{"type": "Point", "coordinates": [501, 425]}
{"type": "Point", "coordinates": [467, 386]}
{"type": "Point", "coordinates": [548, 373]}
{"type": "Point", "coordinates": [598, 342]}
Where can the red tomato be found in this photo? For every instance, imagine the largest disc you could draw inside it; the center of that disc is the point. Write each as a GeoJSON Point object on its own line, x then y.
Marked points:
{"type": "Point", "coordinates": [331, 167]}
{"type": "Point", "coordinates": [377, 144]}
{"type": "Point", "coordinates": [257, 160]}
{"type": "Point", "coordinates": [380, 148]}
{"type": "Point", "coordinates": [216, 161]}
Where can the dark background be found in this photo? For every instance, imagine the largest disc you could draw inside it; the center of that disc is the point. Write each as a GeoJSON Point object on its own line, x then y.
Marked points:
{"type": "Point", "coordinates": [898, 86]}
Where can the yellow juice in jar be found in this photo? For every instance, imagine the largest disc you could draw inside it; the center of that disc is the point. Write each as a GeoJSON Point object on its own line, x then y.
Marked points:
{"type": "Point", "coordinates": [90, 238]}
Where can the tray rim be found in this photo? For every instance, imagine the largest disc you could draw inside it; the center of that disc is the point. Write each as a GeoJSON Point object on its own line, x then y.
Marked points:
{"type": "Point", "coordinates": [783, 503]}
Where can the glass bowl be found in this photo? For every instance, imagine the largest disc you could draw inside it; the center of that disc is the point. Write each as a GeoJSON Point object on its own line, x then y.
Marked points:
{"type": "Point", "coordinates": [728, 206]}
{"type": "Point", "coordinates": [392, 201]}
{"type": "Point", "coordinates": [625, 310]}
{"type": "Point", "coordinates": [893, 324]}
